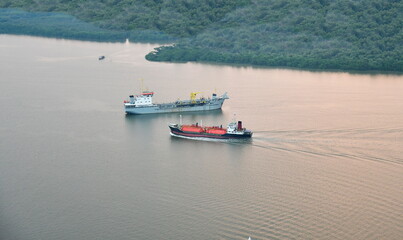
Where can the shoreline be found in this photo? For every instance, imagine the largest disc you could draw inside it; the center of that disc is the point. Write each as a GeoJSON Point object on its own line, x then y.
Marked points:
{"type": "Point", "coordinates": [63, 26]}
{"type": "Point", "coordinates": [260, 44]}
{"type": "Point", "coordinates": [239, 65]}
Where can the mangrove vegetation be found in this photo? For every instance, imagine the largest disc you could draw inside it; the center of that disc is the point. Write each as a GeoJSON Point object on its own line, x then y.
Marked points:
{"type": "Point", "coordinates": [317, 34]}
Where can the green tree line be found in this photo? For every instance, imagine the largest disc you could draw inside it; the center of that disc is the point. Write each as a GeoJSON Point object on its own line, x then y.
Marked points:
{"type": "Point", "coordinates": [318, 34]}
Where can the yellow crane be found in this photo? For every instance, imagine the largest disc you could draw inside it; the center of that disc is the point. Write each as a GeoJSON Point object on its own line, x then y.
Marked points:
{"type": "Point", "coordinates": [193, 96]}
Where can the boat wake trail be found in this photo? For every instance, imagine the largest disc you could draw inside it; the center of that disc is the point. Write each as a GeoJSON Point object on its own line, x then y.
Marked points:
{"type": "Point", "coordinates": [65, 59]}
{"type": "Point", "coordinates": [381, 145]}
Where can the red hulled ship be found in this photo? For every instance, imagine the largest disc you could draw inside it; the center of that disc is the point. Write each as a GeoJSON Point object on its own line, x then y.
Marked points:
{"type": "Point", "coordinates": [194, 131]}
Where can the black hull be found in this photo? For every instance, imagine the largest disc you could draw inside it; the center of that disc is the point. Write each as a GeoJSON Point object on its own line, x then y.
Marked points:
{"type": "Point", "coordinates": [177, 132]}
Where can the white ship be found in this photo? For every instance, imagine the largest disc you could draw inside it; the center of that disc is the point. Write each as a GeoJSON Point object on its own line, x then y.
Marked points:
{"type": "Point", "coordinates": [143, 104]}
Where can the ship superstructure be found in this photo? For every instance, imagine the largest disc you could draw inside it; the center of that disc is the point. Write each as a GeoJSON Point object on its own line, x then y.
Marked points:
{"type": "Point", "coordinates": [143, 104]}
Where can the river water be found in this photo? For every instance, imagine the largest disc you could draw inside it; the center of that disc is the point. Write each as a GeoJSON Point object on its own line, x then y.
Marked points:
{"type": "Point", "coordinates": [325, 161]}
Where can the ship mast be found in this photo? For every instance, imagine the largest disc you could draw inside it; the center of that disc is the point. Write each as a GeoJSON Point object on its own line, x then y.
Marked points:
{"type": "Point", "coordinates": [142, 85]}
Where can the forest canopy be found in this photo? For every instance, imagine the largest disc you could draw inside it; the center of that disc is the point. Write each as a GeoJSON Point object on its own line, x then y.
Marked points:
{"type": "Point", "coordinates": [317, 34]}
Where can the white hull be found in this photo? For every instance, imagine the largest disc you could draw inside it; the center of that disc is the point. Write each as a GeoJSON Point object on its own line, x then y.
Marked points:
{"type": "Point", "coordinates": [173, 108]}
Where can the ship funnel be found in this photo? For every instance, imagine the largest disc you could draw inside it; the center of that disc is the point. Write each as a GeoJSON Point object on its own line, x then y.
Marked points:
{"type": "Point", "coordinates": [131, 99]}
{"type": "Point", "coordinates": [239, 125]}
{"type": "Point", "coordinates": [214, 96]}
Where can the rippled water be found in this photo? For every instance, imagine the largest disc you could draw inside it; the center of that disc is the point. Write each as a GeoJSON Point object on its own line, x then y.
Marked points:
{"type": "Point", "coordinates": [325, 161]}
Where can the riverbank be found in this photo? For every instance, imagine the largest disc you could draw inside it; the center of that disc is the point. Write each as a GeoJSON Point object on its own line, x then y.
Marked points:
{"type": "Point", "coordinates": [236, 36]}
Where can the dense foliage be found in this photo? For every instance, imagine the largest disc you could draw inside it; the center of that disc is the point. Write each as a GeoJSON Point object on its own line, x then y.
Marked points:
{"type": "Point", "coordinates": [176, 17]}
{"type": "Point", "coordinates": [343, 34]}
{"type": "Point", "coordinates": [320, 34]}
{"type": "Point", "coordinates": [60, 25]}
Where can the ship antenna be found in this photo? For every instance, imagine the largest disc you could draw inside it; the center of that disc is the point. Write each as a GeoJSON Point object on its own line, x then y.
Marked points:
{"type": "Point", "coordinates": [142, 86]}
{"type": "Point", "coordinates": [180, 119]}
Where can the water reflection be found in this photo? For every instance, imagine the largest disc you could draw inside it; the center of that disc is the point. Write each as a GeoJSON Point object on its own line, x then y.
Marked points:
{"type": "Point", "coordinates": [149, 121]}
{"type": "Point", "coordinates": [325, 158]}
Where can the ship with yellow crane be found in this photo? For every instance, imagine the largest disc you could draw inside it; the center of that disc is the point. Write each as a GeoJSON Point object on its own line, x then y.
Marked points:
{"type": "Point", "coordinates": [143, 104]}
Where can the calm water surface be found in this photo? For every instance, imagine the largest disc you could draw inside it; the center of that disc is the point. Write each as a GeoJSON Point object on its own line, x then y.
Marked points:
{"type": "Point", "coordinates": [326, 160]}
